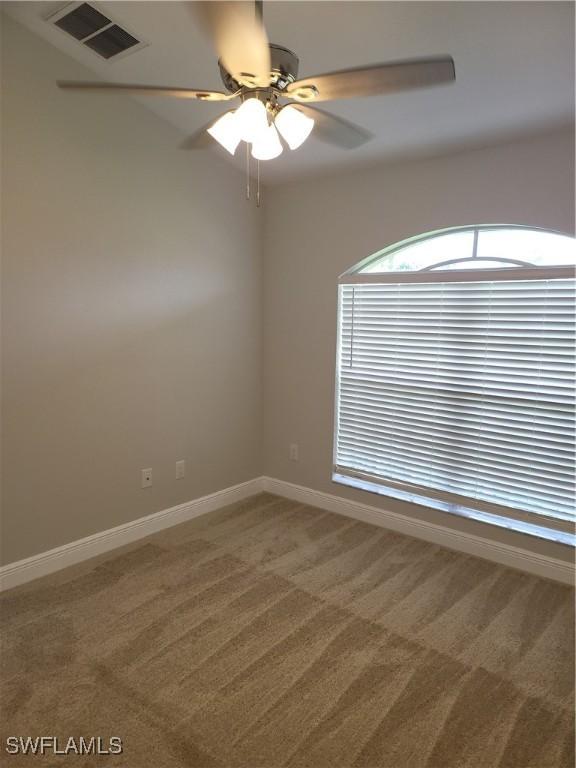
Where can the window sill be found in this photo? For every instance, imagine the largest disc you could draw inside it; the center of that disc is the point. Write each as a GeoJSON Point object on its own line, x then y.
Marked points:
{"type": "Point", "coordinates": [541, 532]}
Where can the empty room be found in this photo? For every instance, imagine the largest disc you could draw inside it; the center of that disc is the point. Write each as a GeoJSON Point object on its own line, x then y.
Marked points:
{"type": "Point", "coordinates": [287, 384]}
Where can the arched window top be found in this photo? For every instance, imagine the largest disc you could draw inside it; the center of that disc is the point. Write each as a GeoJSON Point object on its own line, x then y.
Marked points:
{"type": "Point", "coordinates": [487, 246]}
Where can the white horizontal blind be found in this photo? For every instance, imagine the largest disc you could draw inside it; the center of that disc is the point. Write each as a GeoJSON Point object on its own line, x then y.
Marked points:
{"type": "Point", "coordinates": [460, 389]}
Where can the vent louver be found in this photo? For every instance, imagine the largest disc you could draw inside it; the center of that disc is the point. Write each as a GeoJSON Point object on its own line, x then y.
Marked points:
{"type": "Point", "coordinates": [96, 31]}
{"type": "Point", "coordinates": [112, 41]}
{"type": "Point", "coordinates": [83, 22]}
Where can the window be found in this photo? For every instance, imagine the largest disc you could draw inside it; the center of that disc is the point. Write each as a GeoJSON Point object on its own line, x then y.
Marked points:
{"type": "Point", "coordinates": [455, 376]}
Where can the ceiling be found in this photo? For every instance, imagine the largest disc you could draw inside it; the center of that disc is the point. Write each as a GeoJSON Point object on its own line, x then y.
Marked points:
{"type": "Point", "coordinates": [514, 69]}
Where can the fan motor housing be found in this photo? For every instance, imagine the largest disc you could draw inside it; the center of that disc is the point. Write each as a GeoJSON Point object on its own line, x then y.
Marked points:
{"type": "Point", "coordinates": [284, 66]}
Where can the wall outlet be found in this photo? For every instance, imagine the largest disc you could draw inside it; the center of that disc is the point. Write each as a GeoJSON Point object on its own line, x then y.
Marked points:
{"type": "Point", "coordinates": [180, 469]}
{"type": "Point", "coordinates": [146, 475]}
{"type": "Point", "coordinates": [294, 454]}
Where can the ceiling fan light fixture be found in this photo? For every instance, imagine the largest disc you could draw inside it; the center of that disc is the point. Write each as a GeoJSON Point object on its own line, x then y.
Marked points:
{"type": "Point", "coordinates": [267, 145]}
{"type": "Point", "coordinates": [294, 126]}
{"type": "Point", "coordinates": [252, 119]}
{"type": "Point", "coordinates": [226, 131]}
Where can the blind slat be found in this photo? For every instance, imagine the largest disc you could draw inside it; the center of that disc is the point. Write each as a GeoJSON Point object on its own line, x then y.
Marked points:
{"type": "Point", "coordinates": [463, 387]}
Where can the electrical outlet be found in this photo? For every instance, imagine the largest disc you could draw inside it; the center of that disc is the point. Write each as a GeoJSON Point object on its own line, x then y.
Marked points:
{"type": "Point", "coordinates": [294, 452]}
{"type": "Point", "coordinates": [180, 469]}
{"type": "Point", "coordinates": [146, 475]}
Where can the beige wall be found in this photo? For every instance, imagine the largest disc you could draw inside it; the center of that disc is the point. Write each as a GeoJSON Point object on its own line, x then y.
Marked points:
{"type": "Point", "coordinates": [131, 314]}
{"type": "Point", "coordinates": [316, 229]}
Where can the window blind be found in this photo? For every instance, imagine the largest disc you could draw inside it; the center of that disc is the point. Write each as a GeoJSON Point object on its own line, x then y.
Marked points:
{"type": "Point", "coordinates": [460, 391]}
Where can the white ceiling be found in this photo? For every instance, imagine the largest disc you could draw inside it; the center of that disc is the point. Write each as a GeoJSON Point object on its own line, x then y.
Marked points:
{"type": "Point", "coordinates": [514, 68]}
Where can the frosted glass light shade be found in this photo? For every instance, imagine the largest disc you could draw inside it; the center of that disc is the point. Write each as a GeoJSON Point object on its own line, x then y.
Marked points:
{"type": "Point", "coordinates": [226, 131]}
{"type": "Point", "coordinates": [252, 119]}
{"type": "Point", "coordinates": [267, 145]}
{"type": "Point", "coordinates": [294, 126]}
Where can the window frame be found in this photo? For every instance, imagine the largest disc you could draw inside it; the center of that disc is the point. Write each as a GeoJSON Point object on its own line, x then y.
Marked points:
{"type": "Point", "coordinates": [359, 267]}
{"type": "Point", "coordinates": [554, 529]}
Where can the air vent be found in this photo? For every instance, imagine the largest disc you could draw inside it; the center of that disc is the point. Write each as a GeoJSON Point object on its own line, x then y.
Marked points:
{"type": "Point", "coordinates": [83, 22]}
{"type": "Point", "coordinates": [112, 41]}
{"type": "Point", "coordinates": [95, 30]}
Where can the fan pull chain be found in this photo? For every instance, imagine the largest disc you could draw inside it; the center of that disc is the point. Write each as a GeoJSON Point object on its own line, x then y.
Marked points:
{"type": "Point", "coordinates": [247, 172]}
{"type": "Point", "coordinates": [248, 177]}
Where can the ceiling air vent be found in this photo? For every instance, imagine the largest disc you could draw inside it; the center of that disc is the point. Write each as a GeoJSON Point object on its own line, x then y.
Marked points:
{"type": "Point", "coordinates": [96, 30]}
{"type": "Point", "coordinates": [83, 21]}
{"type": "Point", "coordinates": [112, 41]}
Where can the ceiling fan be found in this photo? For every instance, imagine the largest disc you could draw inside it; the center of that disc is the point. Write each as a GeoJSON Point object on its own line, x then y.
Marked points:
{"type": "Point", "coordinates": [274, 102]}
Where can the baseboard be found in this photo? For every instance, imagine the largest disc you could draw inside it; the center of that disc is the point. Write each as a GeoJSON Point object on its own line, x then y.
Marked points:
{"type": "Point", "coordinates": [22, 571]}
{"type": "Point", "coordinates": [504, 554]}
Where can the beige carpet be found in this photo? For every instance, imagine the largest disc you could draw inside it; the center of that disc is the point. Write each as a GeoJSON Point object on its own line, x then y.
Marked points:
{"type": "Point", "coordinates": [274, 634]}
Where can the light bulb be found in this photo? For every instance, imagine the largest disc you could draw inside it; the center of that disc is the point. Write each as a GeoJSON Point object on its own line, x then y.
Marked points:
{"type": "Point", "coordinates": [267, 145]}
{"type": "Point", "coordinates": [294, 126]}
{"type": "Point", "coordinates": [252, 119]}
{"type": "Point", "coordinates": [226, 131]}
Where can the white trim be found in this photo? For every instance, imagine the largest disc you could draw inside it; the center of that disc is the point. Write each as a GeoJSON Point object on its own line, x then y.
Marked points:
{"type": "Point", "coordinates": [524, 523]}
{"type": "Point", "coordinates": [504, 554]}
{"type": "Point", "coordinates": [462, 275]}
{"type": "Point", "coordinates": [34, 567]}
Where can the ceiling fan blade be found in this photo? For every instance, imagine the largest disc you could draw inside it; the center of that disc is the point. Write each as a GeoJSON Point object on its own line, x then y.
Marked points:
{"type": "Point", "coordinates": [335, 130]}
{"type": "Point", "coordinates": [145, 90]}
{"type": "Point", "coordinates": [374, 80]}
{"type": "Point", "coordinates": [239, 37]}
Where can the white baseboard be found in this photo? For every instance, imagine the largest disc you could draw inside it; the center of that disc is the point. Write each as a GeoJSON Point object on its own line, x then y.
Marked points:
{"type": "Point", "coordinates": [22, 571]}
{"type": "Point", "coordinates": [504, 554]}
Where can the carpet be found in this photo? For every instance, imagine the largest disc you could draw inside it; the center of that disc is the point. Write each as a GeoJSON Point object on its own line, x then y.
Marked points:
{"type": "Point", "coordinates": [271, 633]}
